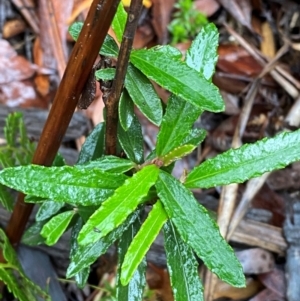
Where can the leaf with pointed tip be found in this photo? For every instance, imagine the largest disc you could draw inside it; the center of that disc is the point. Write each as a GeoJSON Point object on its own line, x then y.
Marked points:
{"type": "Point", "coordinates": [93, 147]}
{"type": "Point", "coordinates": [202, 55]}
{"type": "Point", "coordinates": [176, 76]}
{"type": "Point", "coordinates": [143, 94]}
{"type": "Point", "coordinates": [57, 225]}
{"type": "Point", "coordinates": [76, 185]}
{"type": "Point", "coordinates": [109, 48]}
{"type": "Point", "coordinates": [132, 141]}
{"type": "Point", "coordinates": [105, 74]}
{"type": "Point", "coordinates": [182, 266]}
{"type": "Point", "coordinates": [198, 230]}
{"type": "Point", "coordinates": [115, 209]}
{"type": "Point", "coordinates": [195, 137]}
{"type": "Point", "coordinates": [126, 110]}
{"type": "Point", "coordinates": [81, 277]}
{"type": "Point", "coordinates": [119, 21]}
{"type": "Point", "coordinates": [176, 124]}
{"type": "Point", "coordinates": [177, 153]}
{"type": "Point", "coordinates": [134, 290]}
{"type": "Point", "coordinates": [83, 256]}
{"type": "Point", "coordinates": [142, 241]}
{"type": "Point", "coordinates": [48, 209]}
{"type": "Point", "coordinates": [110, 164]}
{"type": "Point", "coordinates": [248, 161]}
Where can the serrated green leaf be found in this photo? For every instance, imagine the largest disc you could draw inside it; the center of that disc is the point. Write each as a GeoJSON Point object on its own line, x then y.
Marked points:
{"type": "Point", "coordinates": [6, 198]}
{"type": "Point", "coordinates": [75, 29]}
{"type": "Point", "coordinates": [6, 158]}
{"type": "Point", "coordinates": [132, 141]}
{"type": "Point", "coordinates": [48, 209]}
{"type": "Point", "coordinates": [202, 55]}
{"type": "Point", "coordinates": [110, 164]}
{"type": "Point", "coordinates": [143, 94]}
{"type": "Point", "coordinates": [176, 124]}
{"type": "Point", "coordinates": [177, 153]}
{"type": "Point", "coordinates": [198, 230]}
{"type": "Point", "coordinates": [11, 128]}
{"type": "Point", "coordinates": [83, 256]}
{"type": "Point", "coordinates": [248, 161]}
{"type": "Point", "coordinates": [32, 236]}
{"type": "Point", "coordinates": [195, 137]}
{"type": "Point", "coordinates": [142, 241]}
{"type": "Point", "coordinates": [119, 21]}
{"type": "Point", "coordinates": [126, 110]}
{"type": "Point", "coordinates": [115, 209]}
{"type": "Point", "coordinates": [93, 146]}
{"type": "Point", "coordinates": [57, 225]}
{"type": "Point", "coordinates": [174, 75]}
{"type": "Point", "coordinates": [134, 290]}
{"type": "Point", "coordinates": [12, 284]}
{"type": "Point", "coordinates": [8, 252]}
{"type": "Point", "coordinates": [109, 47]}
{"type": "Point", "coordinates": [182, 266]}
{"type": "Point", "coordinates": [76, 185]}
{"type": "Point", "coordinates": [105, 74]}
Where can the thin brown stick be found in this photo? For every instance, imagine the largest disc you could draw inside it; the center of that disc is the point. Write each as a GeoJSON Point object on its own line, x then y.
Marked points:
{"type": "Point", "coordinates": [76, 74]}
{"type": "Point", "coordinates": [121, 69]}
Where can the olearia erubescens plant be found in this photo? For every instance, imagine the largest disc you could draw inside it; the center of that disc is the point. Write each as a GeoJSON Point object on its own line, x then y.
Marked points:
{"type": "Point", "coordinates": [103, 198]}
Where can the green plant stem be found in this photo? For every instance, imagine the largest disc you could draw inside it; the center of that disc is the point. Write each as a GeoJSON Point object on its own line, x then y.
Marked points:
{"type": "Point", "coordinates": [118, 83]}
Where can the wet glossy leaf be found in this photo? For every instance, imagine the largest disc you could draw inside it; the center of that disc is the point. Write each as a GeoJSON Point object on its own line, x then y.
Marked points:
{"type": "Point", "coordinates": [134, 290]}
{"type": "Point", "coordinates": [143, 94]}
{"type": "Point", "coordinates": [76, 185]}
{"type": "Point", "coordinates": [81, 277]}
{"type": "Point", "coordinates": [195, 137]}
{"type": "Point", "coordinates": [126, 110]}
{"type": "Point", "coordinates": [6, 199]}
{"type": "Point", "coordinates": [109, 47]}
{"type": "Point", "coordinates": [93, 146]}
{"type": "Point", "coordinates": [198, 230]}
{"type": "Point", "coordinates": [48, 209]}
{"type": "Point", "coordinates": [57, 225]}
{"type": "Point", "coordinates": [123, 202]}
{"type": "Point", "coordinates": [176, 124]}
{"type": "Point", "coordinates": [110, 164]}
{"type": "Point", "coordinates": [177, 153]}
{"type": "Point", "coordinates": [132, 141]}
{"type": "Point", "coordinates": [248, 161]}
{"type": "Point", "coordinates": [176, 76]}
{"type": "Point", "coordinates": [32, 236]}
{"type": "Point", "coordinates": [119, 21]}
{"type": "Point", "coordinates": [182, 267]}
{"type": "Point", "coordinates": [105, 74]}
{"type": "Point", "coordinates": [202, 55]}
{"type": "Point", "coordinates": [83, 256]}
{"type": "Point", "coordinates": [142, 241]}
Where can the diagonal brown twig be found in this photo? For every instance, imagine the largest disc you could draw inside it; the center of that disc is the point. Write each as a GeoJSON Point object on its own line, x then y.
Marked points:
{"type": "Point", "coordinates": [121, 69]}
